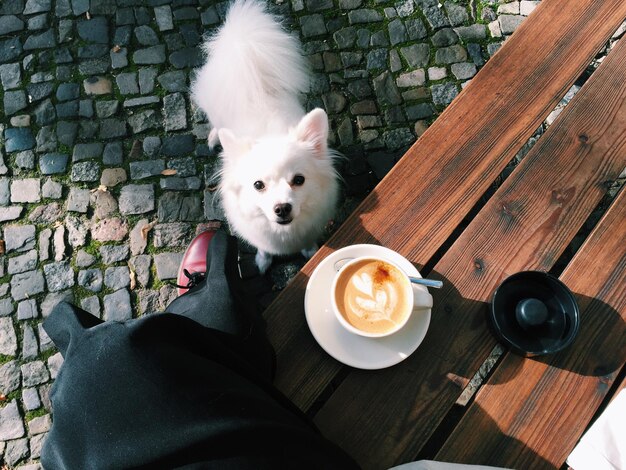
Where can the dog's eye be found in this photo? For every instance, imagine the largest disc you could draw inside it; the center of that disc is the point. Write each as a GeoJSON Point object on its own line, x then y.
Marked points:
{"type": "Point", "coordinates": [298, 180]}
{"type": "Point", "coordinates": [259, 185]}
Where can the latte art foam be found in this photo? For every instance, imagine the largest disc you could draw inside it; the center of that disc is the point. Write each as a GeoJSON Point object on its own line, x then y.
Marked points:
{"type": "Point", "coordinates": [372, 296]}
{"type": "Point", "coordinates": [373, 302]}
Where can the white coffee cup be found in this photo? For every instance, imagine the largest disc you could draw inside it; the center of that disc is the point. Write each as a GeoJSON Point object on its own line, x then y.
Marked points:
{"type": "Point", "coordinates": [373, 297]}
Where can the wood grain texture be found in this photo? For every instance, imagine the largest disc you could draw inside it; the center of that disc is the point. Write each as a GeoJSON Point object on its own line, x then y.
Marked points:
{"type": "Point", "coordinates": [429, 192]}
{"type": "Point", "coordinates": [540, 407]}
{"type": "Point", "coordinates": [387, 416]}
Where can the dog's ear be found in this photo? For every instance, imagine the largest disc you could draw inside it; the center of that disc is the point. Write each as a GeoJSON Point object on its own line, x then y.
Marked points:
{"type": "Point", "coordinates": [231, 144]}
{"type": "Point", "coordinates": [313, 129]}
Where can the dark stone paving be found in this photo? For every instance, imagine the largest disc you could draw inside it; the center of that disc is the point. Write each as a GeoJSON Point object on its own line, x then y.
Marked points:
{"type": "Point", "coordinates": [105, 174]}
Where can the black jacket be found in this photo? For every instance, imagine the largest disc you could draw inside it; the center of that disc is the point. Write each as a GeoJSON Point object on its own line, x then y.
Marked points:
{"type": "Point", "coordinates": [162, 391]}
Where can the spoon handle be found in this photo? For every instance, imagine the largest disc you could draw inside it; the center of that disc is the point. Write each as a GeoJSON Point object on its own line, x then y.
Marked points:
{"type": "Point", "coordinates": [426, 282]}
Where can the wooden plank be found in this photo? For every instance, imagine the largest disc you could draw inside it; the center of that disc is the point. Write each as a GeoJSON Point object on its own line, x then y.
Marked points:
{"type": "Point", "coordinates": [387, 416]}
{"type": "Point", "coordinates": [429, 192]}
{"type": "Point", "coordinates": [531, 413]}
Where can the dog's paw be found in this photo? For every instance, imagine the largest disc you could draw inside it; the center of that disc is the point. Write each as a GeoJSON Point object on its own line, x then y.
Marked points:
{"type": "Point", "coordinates": [308, 252]}
{"type": "Point", "coordinates": [263, 261]}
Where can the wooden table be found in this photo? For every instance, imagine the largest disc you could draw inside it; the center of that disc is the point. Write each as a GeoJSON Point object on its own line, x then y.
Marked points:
{"type": "Point", "coordinates": [430, 208]}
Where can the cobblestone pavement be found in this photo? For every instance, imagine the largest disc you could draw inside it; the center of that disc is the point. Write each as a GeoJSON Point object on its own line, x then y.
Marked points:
{"type": "Point", "coordinates": [104, 168]}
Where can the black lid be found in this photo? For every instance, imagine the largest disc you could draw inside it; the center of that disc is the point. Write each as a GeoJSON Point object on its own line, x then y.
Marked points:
{"type": "Point", "coordinates": [534, 313]}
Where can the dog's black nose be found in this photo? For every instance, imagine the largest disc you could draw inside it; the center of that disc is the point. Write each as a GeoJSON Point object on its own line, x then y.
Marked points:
{"type": "Point", "coordinates": [282, 210]}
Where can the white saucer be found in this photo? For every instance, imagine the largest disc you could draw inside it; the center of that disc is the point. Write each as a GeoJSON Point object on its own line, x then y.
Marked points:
{"type": "Point", "coordinates": [348, 348]}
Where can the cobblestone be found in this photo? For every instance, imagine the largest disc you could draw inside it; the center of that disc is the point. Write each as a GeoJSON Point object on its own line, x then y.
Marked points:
{"type": "Point", "coordinates": [444, 37]}
{"type": "Point", "coordinates": [114, 253]}
{"type": "Point", "coordinates": [146, 169]}
{"type": "Point", "coordinates": [6, 307]}
{"type": "Point", "coordinates": [111, 229]}
{"type": "Point", "coordinates": [364, 16]}
{"type": "Point", "coordinates": [444, 94]}
{"type": "Point", "coordinates": [10, 377]}
{"type": "Point", "coordinates": [97, 86]}
{"type": "Point", "coordinates": [450, 55]}
{"type": "Point", "coordinates": [15, 451]}
{"type": "Point", "coordinates": [117, 306]}
{"type": "Point", "coordinates": [164, 19]}
{"type": "Point", "coordinates": [53, 163]}
{"type": "Point", "coordinates": [30, 399]}
{"type": "Point", "coordinates": [58, 242]}
{"type": "Point", "coordinates": [84, 259]}
{"type": "Point", "coordinates": [138, 240]}
{"type": "Point", "coordinates": [34, 373]}
{"type": "Point", "coordinates": [10, 213]}
{"type": "Point", "coordinates": [5, 193]}
{"type": "Point", "coordinates": [39, 425]}
{"type": "Point", "coordinates": [150, 55]}
{"type": "Point", "coordinates": [527, 7]}
{"type": "Point", "coordinates": [78, 200]}
{"type": "Point", "coordinates": [140, 265]}
{"type": "Point", "coordinates": [22, 263]}
{"type": "Point", "coordinates": [27, 309]}
{"type": "Point", "coordinates": [509, 23]}
{"type": "Point", "coordinates": [59, 276]}
{"type": "Point", "coordinates": [386, 89]}
{"type": "Point", "coordinates": [11, 424]}
{"type": "Point", "coordinates": [143, 121]}
{"type": "Point", "coordinates": [10, 76]}
{"type": "Point", "coordinates": [112, 154]}
{"type": "Point", "coordinates": [90, 279]}
{"type": "Point", "coordinates": [416, 55]}
{"type": "Point", "coordinates": [10, 24]}
{"type": "Point", "coordinates": [104, 204]}
{"type": "Point", "coordinates": [471, 33]}
{"type": "Point", "coordinates": [76, 231]}
{"type": "Point", "coordinates": [17, 139]}
{"type": "Point", "coordinates": [174, 81]}
{"type": "Point", "coordinates": [463, 71]}
{"type": "Point", "coordinates": [117, 277]}
{"type": "Point", "coordinates": [30, 349]}
{"type": "Point", "coordinates": [46, 214]}
{"type": "Point", "coordinates": [166, 265]}
{"type": "Point", "coordinates": [46, 139]}
{"type": "Point", "coordinates": [44, 244]}
{"type": "Point", "coordinates": [8, 338]}
{"type": "Point", "coordinates": [19, 237]}
{"type": "Point", "coordinates": [172, 234]}
{"type": "Point", "coordinates": [113, 176]}
{"type": "Point", "coordinates": [175, 112]}
{"type": "Point", "coordinates": [136, 199]}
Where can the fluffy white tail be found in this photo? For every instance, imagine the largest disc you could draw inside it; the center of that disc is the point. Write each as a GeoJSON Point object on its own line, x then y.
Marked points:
{"type": "Point", "coordinates": [255, 73]}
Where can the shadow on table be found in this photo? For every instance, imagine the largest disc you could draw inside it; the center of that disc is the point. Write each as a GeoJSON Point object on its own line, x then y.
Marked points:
{"type": "Point", "coordinates": [458, 336]}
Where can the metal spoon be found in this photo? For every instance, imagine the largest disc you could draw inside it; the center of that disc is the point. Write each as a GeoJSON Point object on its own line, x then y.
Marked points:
{"type": "Point", "coordinates": [415, 280]}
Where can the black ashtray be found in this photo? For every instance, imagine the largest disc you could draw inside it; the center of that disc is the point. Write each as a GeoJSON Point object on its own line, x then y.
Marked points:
{"type": "Point", "coordinates": [534, 313]}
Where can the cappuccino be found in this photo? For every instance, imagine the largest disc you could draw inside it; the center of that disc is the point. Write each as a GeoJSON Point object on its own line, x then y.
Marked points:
{"type": "Point", "coordinates": [373, 296]}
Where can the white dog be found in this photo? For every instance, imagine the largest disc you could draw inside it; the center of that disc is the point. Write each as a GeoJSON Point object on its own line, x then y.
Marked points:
{"type": "Point", "coordinates": [278, 185]}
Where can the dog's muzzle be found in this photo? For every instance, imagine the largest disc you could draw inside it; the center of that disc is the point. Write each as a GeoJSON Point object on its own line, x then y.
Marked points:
{"type": "Point", "coordinates": [283, 213]}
